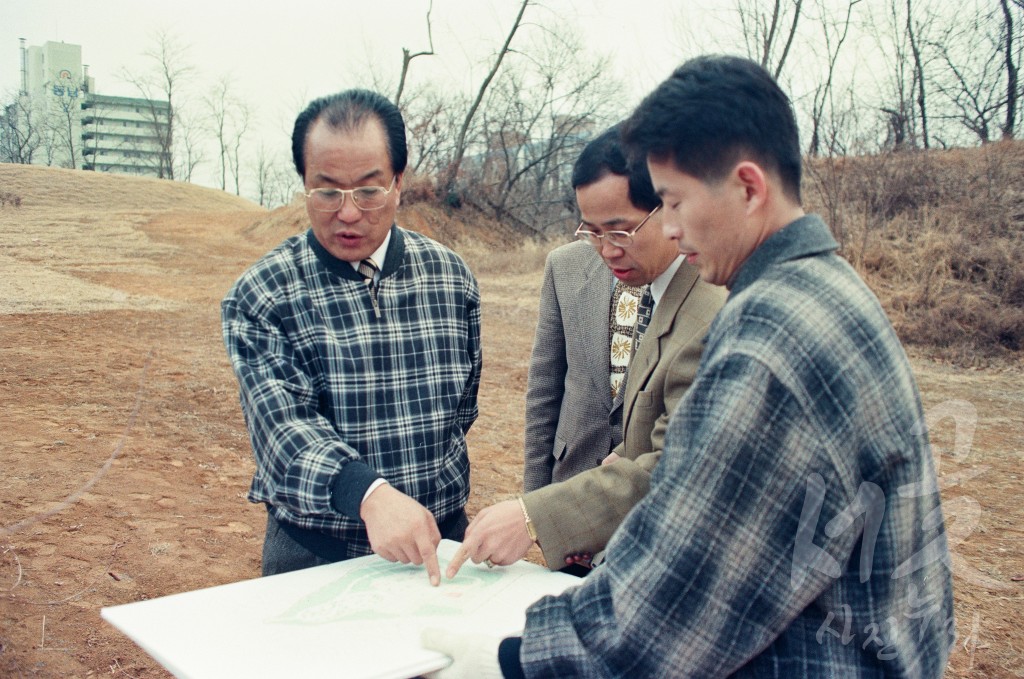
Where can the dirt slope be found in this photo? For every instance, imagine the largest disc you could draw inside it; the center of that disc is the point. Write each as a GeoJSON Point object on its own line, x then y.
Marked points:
{"type": "Point", "coordinates": [125, 461]}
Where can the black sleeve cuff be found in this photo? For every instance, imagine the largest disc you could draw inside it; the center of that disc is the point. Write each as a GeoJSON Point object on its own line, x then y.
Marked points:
{"type": "Point", "coordinates": [508, 658]}
{"type": "Point", "coordinates": [349, 487]}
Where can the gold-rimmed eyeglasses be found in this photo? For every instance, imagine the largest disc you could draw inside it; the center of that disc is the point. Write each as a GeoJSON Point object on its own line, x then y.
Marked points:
{"type": "Point", "coordinates": [363, 197]}
{"type": "Point", "coordinates": [620, 239]}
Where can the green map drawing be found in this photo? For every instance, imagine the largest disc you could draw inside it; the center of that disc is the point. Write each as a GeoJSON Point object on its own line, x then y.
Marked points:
{"type": "Point", "coordinates": [381, 591]}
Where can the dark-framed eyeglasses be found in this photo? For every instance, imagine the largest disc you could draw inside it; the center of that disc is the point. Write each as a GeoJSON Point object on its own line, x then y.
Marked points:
{"type": "Point", "coordinates": [620, 239]}
{"type": "Point", "coordinates": [363, 197]}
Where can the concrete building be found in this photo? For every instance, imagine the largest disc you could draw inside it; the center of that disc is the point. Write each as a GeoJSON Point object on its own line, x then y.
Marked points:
{"type": "Point", "coordinates": [62, 121]}
{"type": "Point", "coordinates": [123, 134]}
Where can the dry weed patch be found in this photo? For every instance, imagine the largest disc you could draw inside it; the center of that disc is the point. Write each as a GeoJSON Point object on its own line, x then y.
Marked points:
{"type": "Point", "coordinates": [939, 237]}
{"type": "Point", "coordinates": [139, 378]}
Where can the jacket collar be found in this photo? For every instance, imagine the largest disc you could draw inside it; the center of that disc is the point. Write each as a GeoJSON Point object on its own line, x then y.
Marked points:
{"type": "Point", "coordinates": [343, 269]}
{"type": "Point", "coordinates": [802, 237]}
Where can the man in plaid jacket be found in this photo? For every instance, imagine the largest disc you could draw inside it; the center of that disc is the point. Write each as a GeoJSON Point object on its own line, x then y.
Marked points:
{"type": "Point", "coordinates": [357, 351]}
{"type": "Point", "coordinates": [793, 526]}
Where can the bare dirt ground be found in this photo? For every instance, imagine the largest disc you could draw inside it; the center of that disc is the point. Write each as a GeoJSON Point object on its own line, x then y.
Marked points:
{"type": "Point", "coordinates": [124, 461]}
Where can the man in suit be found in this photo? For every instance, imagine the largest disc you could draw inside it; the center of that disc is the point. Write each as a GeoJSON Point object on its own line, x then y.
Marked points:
{"type": "Point", "coordinates": [573, 502]}
{"type": "Point", "coordinates": [573, 420]}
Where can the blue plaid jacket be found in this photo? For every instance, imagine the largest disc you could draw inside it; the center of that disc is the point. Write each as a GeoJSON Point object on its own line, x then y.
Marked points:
{"type": "Point", "coordinates": [335, 396]}
{"type": "Point", "coordinates": [793, 527]}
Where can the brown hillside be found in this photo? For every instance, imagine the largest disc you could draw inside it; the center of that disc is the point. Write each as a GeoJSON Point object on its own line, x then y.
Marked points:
{"type": "Point", "coordinates": [124, 459]}
{"type": "Point", "coordinates": [939, 237]}
{"type": "Point", "coordinates": [60, 189]}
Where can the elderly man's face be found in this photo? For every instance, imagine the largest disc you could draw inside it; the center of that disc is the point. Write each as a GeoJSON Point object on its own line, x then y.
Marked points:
{"type": "Point", "coordinates": [348, 159]}
{"type": "Point", "coordinates": [605, 206]}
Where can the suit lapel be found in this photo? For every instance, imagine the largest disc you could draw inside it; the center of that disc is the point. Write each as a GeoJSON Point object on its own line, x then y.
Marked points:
{"type": "Point", "coordinates": [658, 332]}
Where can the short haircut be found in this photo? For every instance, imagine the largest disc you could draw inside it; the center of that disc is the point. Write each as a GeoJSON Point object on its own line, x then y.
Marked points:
{"type": "Point", "coordinates": [713, 112]}
{"type": "Point", "coordinates": [606, 155]}
{"type": "Point", "coordinates": [346, 111]}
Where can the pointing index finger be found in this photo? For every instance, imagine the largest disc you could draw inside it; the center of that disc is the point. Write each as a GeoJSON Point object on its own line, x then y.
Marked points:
{"type": "Point", "coordinates": [456, 563]}
{"type": "Point", "coordinates": [433, 568]}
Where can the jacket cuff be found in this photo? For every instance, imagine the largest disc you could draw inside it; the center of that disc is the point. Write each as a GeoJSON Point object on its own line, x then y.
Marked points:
{"type": "Point", "coordinates": [350, 486]}
{"type": "Point", "coordinates": [508, 658]}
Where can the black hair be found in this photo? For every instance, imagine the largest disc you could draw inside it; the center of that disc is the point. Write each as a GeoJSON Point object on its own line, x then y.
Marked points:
{"type": "Point", "coordinates": [713, 112]}
{"type": "Point", "coordinates": [605, 155]}
{"type": "Point", "coordinates": [346, 111]}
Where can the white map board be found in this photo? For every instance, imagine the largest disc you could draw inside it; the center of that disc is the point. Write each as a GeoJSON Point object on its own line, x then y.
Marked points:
{"type": "Point", "coordinates": [360, 618]}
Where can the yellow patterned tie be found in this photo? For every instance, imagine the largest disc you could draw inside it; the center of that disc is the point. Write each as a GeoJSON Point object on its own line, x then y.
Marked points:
{"type": "Point", "coordinates": [622, 322]}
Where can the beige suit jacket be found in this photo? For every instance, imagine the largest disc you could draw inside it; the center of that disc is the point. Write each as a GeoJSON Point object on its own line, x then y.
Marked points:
{"type": "Point", "coordinates": [581, 513]}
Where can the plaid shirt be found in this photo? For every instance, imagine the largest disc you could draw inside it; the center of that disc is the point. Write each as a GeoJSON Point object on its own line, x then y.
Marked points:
{"type": "Point", "coordinates": [335, 396]}
{"type": "Point", "coordinates": [793, 527]}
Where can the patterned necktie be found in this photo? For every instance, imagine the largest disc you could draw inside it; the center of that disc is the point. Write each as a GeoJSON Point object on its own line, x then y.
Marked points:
{"type": "Point", "coordinates": [622, 323]}
{"type": "Point", "coordinates": [643, 319]}
{"type": "Point", "coordinates": [367, 269]}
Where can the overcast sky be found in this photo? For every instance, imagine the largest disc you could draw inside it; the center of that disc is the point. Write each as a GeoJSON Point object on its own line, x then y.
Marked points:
{"type": "Point", "coordinates": [311, 48]}
{"type": "Point", "coordinates": [280, 56]}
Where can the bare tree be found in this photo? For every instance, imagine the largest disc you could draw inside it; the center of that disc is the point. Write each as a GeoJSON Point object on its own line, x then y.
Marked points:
{"type": "Point", "coordinates": [408, 56]}
{"type": "Point", "coordinates": [538, 116]}
{"type": "Point", "coordinates": [835, 33]}
{"type": "Point", "coordinates": [229, 119]}
{"type": "Point", "coordinates": [218, 105]}
{"type": "Point", "coordinates": [888, 24]}
{"type": "Point", "coordinates": [275, 179]}
{"type": "Point", "coordinates": [169, 71]}
{"type": "Point", "coordinates": [20, 136]}
{"type": "Point", "coordinates": [190, 139]}
{"type": "Point", "coordinates": [979, 53]}
{"type": "Point", "coordinates": [970, 80]}
{"type": "Point", "coordinates": [240, 125]}
{"type": "Point", "coordinates": [915, 49]}
{"type": "Point", "coordinates": [461, 141]}
{"type": "Point", "coordinates": [767, 37]}
{"type": "Point", "coordinates": [64, 124]}
{"type": "Point", "coordinates": [1012, 62]}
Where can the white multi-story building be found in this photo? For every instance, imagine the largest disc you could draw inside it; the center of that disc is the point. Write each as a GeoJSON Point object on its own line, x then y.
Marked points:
{"type": "Point", "coordinates": [59, 119]}
{"type": "Point", "coordinates": [123, 134]}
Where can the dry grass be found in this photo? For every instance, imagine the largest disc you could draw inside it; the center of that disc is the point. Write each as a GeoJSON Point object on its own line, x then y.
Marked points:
{"type": "Point", "coordinates": [939, 237]}
{"type": "Point", "coordinates": [170, 514]}
{"type": "Point", "coordinates": [74, 190]}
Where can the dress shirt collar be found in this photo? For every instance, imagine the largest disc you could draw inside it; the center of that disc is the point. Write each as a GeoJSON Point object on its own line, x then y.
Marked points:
{"type": "Point", "coordinates": [660, 284]}
{"type": "Point", "coordinates": [378, 254]}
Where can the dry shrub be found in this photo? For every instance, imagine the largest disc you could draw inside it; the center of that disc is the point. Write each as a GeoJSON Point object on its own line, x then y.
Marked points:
{"type": "Point", "coordinates": [417, 189]}
{"type": "Point", "coordinates": [9, 198]}
{"type": "Point", "coordinates": [526, 257]}
{"type": "Point", "coordinates": [939, 237]}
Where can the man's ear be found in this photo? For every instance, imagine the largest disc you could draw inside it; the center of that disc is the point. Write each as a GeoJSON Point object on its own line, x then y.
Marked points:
{"type": "Point", "coordinates": [751, 177]}
{"type": "Point", "coordinates": [398, 188]}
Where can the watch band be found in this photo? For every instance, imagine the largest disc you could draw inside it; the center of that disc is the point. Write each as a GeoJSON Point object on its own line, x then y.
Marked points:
{"type": "Point", "coordinates": [529, 524]}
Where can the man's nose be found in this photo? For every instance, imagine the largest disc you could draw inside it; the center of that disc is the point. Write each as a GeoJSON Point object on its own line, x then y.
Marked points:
{"type": "Point", "coordinates": [670, 230]}
{"type": "Point", "coordinates": [347, 211]}
{"type": "Point", "coordinates": [609, 250]}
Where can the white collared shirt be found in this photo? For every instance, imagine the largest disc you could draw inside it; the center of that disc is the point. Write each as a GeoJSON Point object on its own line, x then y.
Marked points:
{"type": "Point", "coordinates": [378, 256]}
{"type": "Point", "coordinates": [660, 284]}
